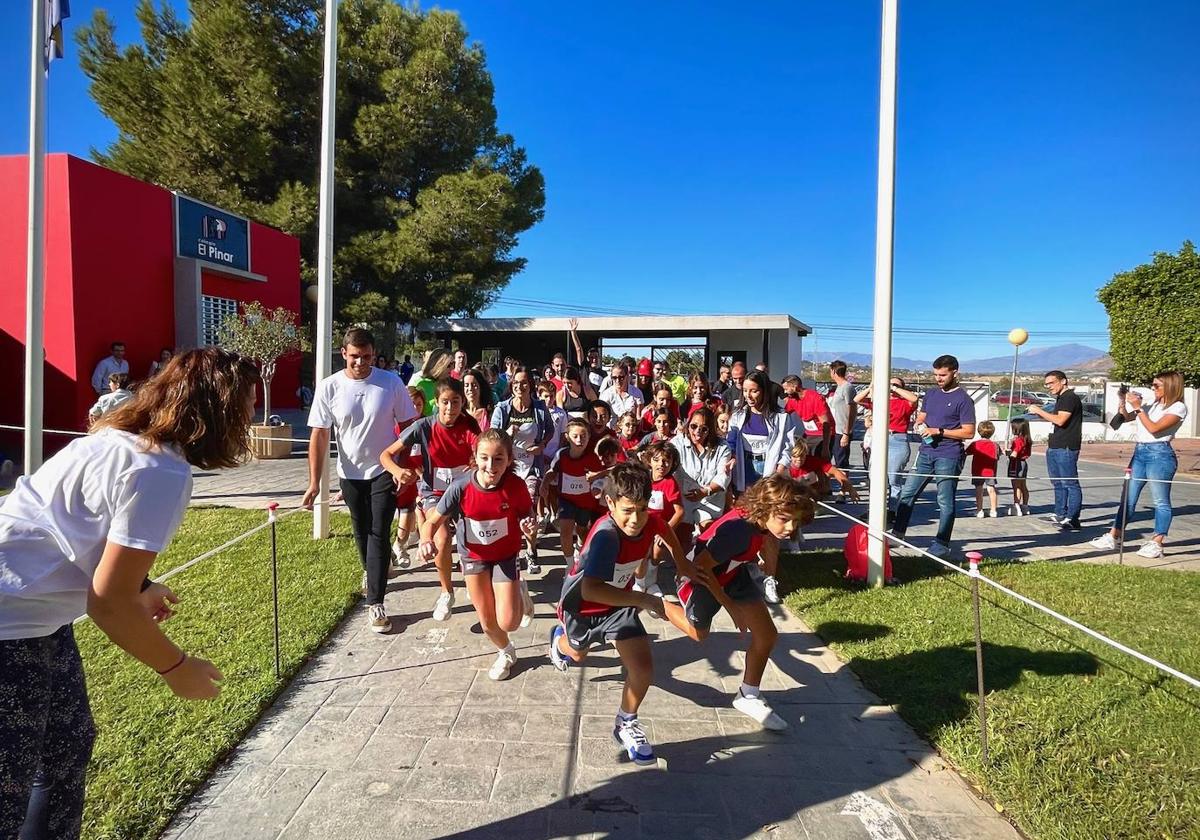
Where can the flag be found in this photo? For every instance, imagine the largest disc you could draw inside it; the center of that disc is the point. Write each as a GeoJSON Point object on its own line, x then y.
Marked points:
{"type": "Point", "coordinates": [56, 11]}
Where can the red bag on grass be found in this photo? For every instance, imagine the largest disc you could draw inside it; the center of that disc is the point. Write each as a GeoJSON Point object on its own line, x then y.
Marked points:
{"type": "Point", "coordinates": [855, 551]}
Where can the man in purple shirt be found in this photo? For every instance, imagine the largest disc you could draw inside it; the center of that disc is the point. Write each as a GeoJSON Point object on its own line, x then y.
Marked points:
{"type": "Point", "coordinates": [945, 421]}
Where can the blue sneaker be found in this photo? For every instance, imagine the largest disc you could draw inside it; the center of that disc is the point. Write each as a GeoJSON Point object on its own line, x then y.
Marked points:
{"type": "Point", "coordinates": [629, 734]}
{"type": "Point", "coordinates": [556, 658]}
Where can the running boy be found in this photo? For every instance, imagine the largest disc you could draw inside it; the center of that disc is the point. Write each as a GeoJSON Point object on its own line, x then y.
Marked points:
{"type": "Point", "coordinates": [493, 509]}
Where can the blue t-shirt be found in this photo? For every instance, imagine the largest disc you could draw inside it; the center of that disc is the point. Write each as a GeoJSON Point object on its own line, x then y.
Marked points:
{"type": "Point", "coordinates": [754, 434]}
{"type": "Point", "coordinates": [946, 410]}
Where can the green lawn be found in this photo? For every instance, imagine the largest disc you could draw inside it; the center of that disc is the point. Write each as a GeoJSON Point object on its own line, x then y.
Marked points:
{"type": "Point", "coordinates": [1085, 742]}
{"type": "Point", "coordinates": [153, 749]}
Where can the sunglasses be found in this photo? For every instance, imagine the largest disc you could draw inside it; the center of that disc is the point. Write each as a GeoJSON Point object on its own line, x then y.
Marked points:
{"type": "Point", "coordinates": [698, 428]}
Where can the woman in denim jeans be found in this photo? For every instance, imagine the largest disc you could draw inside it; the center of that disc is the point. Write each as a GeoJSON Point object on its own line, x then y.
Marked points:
{"type": "Point", "coordinates": [1154, 460]}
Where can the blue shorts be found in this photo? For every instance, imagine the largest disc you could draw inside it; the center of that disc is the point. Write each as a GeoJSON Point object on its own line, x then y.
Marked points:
{"type": "Point", "coordinates": [568, 510]}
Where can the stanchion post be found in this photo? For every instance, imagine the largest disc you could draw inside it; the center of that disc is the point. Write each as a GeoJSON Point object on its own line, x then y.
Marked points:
{"type": "Point", "coordinates": [1122, 515]}
{"type": "Point", "coordinates": [271, 517]}
{"type": "Point", "coordinates": [973, 558]}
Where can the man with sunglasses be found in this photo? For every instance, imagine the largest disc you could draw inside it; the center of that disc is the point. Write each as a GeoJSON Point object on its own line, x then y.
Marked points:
{"type": "Point", "coordinates": [1062, 452]}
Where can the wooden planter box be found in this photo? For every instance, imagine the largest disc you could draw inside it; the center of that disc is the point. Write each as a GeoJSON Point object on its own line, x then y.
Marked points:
{"type": "Point", "coordinates": [266, 442]}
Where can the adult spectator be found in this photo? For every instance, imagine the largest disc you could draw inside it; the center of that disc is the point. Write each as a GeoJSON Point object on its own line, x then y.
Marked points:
{"type": "Point", "coordinates": [79, 536]}
{"type": "Point", "coordinates": [945, 421]}
{"type": "Point", "coordinates": [407, 368]}
{"type": "Point", "coordinates": [761, 435]}
{"type": "Point", "coordinates": [114, 362]}
{"type": "Point", "coordinates": [460, 364]}
{"type": "Point", "coordinates": [478, 396]}
{"type": "Point", "coordinates": [734, 400]}
{"type": "Point", "coordinates": [677, 384]}
{"type": "Point", "coordinates": [164, 356]}
{"type": "Point", "coordinates": [645, 379]}
{"type": "Point", "coordinates": [703, 461]}
{"type": "Point", "coordinates": [1154, 460]}
{"type": "Point", "coordinates": [699, 395]}
{"type": "Point", "coordinates": [505, 379]}
{"type": "Point", "coordinates": [381, 362]}
{"type": "Point", "coordinates": [590, 367]}
{"type": "Point", "coordinates": [842, 410]}
{"type": "Point", "coordinates": [901, 405]}
{"type": "Point", "coordinates": [812, 411]}
{"type": "Point", "coordinates": [575, 394]}
{"type": "Point", "coordinates": [1062, 450]}
{"type": "Point", "coordinates": [436, 366]}
{"type": "Point", "coordinates": [364, 404]}
{"type": "Point", "coordinates": [621, 397]}
{"type": "Point", "coordinates": [722, 384]}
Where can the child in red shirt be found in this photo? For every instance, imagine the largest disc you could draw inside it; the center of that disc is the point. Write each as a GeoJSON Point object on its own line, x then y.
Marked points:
{"type": "Point", "coordinates": [815, 470]}
{"type": "Point", "coordinates": [628, 434]}
{"type": "Point", "coordinates": [406, 494]}
{"type": "Point", "coordinates": [575, 466]}
{"type": "Point", "coordinates": [985, 455]}
{"type": "Point", "coordinates": [1019, 450]}
{"type": "Point", "coordinates": [666, 504]}
{"type": "Point", "coordinates": [493, 510]}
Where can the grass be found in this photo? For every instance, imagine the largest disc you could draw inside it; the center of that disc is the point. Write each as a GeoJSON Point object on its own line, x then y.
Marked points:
{"type": "Point", "coordinates": [1085, 742]}
{"type": "Point", "coordinates": [153, 749]}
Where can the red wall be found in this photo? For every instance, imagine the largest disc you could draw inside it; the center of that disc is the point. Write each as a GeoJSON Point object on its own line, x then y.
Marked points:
{"type": "Point", "coordinates": [110, 277]}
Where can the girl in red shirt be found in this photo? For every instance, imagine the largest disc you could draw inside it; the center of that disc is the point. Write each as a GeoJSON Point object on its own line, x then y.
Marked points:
{"type": "Point", "coordinates": [492, 509]}
{"type": "Point", "coordinates": [666, 505]}
{"type": "Point", "coordinates": [406, 494]}
{"type": "Point", "coordinates": [628, 434]}
{"type": "Point", "coordinates": [1019, 450]}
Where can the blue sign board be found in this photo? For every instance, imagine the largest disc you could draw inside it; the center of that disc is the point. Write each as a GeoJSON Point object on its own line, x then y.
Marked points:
{"type": "Point", "coordinates": [206, 233]}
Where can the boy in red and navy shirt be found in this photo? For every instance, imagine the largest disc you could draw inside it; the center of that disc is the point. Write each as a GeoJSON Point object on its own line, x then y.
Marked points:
{"type": "Point", "coordinates": [985, 457]}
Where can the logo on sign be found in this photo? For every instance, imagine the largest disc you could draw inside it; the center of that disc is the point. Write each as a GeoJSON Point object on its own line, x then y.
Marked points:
{"type": "Point", "coordinates": [213, 228]}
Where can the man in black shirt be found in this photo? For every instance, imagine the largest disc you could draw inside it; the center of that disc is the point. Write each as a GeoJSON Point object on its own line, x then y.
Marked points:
{"type": "Point", "coordinates": [1062, 453]}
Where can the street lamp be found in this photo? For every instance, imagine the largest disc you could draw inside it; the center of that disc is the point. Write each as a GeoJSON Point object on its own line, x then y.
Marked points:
{"type": "Point", "coordinates": [1016, 337]}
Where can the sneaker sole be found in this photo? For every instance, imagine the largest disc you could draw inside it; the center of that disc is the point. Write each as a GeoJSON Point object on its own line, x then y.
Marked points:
{"type": "Point", "coordinates": [639, 761]}
{"type": "Point", "coordinates": [387, 628]}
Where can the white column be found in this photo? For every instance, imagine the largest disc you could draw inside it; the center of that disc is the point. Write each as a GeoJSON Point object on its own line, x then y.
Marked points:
{"type": "Point", "coordinates": [324, 344]}
{"type": "Point", "coordinates": [35, 294]}
{"type": "Point", "coordinates": [881, 371]}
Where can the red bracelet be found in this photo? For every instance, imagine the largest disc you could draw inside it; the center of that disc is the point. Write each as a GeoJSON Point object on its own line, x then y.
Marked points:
{"type": "Point", "coordinates": [182, 657]}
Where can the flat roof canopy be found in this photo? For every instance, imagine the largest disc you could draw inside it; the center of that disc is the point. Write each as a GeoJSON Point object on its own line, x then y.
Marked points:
{"type": "Point", "coordinates": [636, 324]}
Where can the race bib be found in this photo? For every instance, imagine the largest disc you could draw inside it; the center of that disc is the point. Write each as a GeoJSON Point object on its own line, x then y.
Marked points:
{"type": "Point", "coordinates": [522, 468]}
{"type": "Point", "coordinates": [574, 485]}
{"type": "Point", "coordinates": [755, 444]}
{"type": "Point", "coordinates": [812, 427]}
{"type": "Point", "coordinates": [623, 574]}
{"type": "Point", "coordinates": [442, 476]}
{"type": "Point", "coordinates": [486, 531]}
{"type": "Point", "coordinates": [656, 500]}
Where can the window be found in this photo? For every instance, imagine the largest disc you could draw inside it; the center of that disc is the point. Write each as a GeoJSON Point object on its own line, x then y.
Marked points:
{"type": "Point", "coordinates": [728, 357]}
{"type": "Point", "coordinates": [213, 312]}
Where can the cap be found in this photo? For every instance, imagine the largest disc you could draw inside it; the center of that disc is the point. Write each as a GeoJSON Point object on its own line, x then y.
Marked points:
{"type": "Point", "coordinates": [645, 368]}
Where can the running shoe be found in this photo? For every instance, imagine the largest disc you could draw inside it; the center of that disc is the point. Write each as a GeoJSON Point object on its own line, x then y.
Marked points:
{"type": "Point", "coordinates": [629, 734]}
{"type": "Point", "coordinates": [1052, 518]}
{"type": "Point", "coordinates": [378, 620]}
{"type": "Point", "coordinates": [505, 659]}
{"type": "Point", "coordinates": [771, 589]}
{"type": "Point", "coordinates": [557, 659]}
{"type": "Point", "coordinates": [441, 610]}
{"type": "Point", "coordinates": [1104, 542]}
{"type": "Point", "coordinates": [400, 556]}
{"type": "Point", "coordinates": [1069, 525]}
{"type": "Point", "coordinates": [532, 566]}
{"type": "Point", "coordinates": [527, 608]}
{"type": "Point", "coordinates": [1014, 510]}
{"type": "Point", "coordinates": [1151, 550]}
{"type": "Point", "coordinates": [757, 709]}
{"type": "Point", "coordinates": [980, 514]}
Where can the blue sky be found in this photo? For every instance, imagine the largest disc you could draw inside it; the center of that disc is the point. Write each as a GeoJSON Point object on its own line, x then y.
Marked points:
{"type": "Point", "coordinates": [698, 159]}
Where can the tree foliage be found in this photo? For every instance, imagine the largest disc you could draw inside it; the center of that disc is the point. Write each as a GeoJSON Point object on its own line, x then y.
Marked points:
{"type": "Point", "coordinates": [225, 107]}
{"type": "Point", "coordinates": [263, 336]}
{"type": "Point", "coordinates": [1153, 317]}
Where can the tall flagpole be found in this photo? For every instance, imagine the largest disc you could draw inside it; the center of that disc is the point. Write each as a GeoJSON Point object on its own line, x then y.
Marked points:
{"type": "Point", "coordinates": [324, 342]}
{"type": "Point", "coordinates": [881, 371]}
{"type": "Point", "coordinates": [35, 256]}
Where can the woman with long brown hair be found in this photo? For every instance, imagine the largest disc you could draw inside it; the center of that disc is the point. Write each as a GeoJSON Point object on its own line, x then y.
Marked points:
{"type": "Point", "coordinates": [80, 536]}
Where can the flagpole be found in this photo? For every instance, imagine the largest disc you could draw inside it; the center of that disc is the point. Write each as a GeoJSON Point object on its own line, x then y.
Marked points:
{"type": "Point", "coordinates": [324, 343]}
{"type": "Point", "coordinates": [881, 371]}
{"type": "Point", "coordinates": [35, 256]}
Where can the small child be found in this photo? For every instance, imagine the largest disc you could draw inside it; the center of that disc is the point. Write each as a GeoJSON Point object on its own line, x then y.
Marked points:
{"type": "Point", "coordinates": [493, 509]}
{"type": "Point", "coordinates": [598, 603]}
{"type": "Point", "coordinates": [406, 494]}
{"type": "Point", "coordinates": [547, 500]}
{"type": "Point", "coordinates": [628, 434]}
{"type": "Point", "coordinates": [118, 392]}
{"type": "Point", "coordinates": [610, 453]}
{"type": "Point", "coordinates": [666, 504]}
{"type": "Point", "coordinates": [723, 424]}
{"type": "Point", "coordinates": [866, 441]}
{"type": "Point", "coordinates": [985, 455]}
{"type": "Point", "coordinates": [661, 433]}
{"type": "Point", "coordinates": [1019, 450]}
{"type": "Point", "coordinates": [572, 471]}
{"type": "Point", "coordinates": [812, 469]}
{"type": "Point", "coordinates": [599, 417]}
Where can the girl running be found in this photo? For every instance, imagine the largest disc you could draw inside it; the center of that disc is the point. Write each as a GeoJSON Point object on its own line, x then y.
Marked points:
{"type": "Point", "coordinates": [406, 494]}
{"type": "Point", "coordinates": [493, 508]}
{"type": "Point", "coordinates": [700, 394]}
{"type": "Point", "coordinates": [664, 401]}
{"type": "Point", "coordinates": [770, 511]}
{"type": "Point", "coordinates": [1019, 450]}
{"type": "Point", "coordinates": [573, 470]}
{"type": "Point", "coordinates": [661, 433]}
{"type": "Point", "coordinates": [447, 440]}
{"type": "Point", "coordinates": [666, 505]}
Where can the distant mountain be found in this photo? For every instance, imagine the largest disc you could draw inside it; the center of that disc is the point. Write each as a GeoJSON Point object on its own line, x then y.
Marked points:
{"type": "Point", "coordinates": [1101, 365]}
{"type": "Point", "coordinates": [1062, 357]}
{"type": "Point", "coordinates": [864, 360]}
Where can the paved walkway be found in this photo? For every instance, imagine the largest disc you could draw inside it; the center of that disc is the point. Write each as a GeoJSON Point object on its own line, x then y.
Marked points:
{"type": "Point", "coordinates": [404, 736]}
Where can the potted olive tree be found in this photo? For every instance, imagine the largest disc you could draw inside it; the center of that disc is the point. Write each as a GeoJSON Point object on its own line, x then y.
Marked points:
{"type": "Point", "coordinates": [265, 336]}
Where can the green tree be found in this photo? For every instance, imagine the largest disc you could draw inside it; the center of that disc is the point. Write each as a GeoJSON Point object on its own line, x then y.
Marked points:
{"type": "Point", "coordinates": [262, 335]}
{"type": "Point", "coordinates": [430, 196]}
{"type": "Point", "coordinates": [1153, 312]}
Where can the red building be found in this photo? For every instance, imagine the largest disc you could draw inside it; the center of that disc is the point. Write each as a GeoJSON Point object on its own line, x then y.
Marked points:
{"type": "Point", "coordinates": [126, 261]}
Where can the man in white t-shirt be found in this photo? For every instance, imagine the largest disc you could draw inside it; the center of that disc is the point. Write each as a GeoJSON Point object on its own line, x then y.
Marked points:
{"type": "Point", "coordinates": [364, 404]}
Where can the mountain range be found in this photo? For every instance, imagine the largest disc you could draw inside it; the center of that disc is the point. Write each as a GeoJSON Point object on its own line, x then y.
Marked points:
{"type": "Point", "coordinates": [1062, 356]}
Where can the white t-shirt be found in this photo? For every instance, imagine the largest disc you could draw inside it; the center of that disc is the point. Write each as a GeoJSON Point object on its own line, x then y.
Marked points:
{"type": "Point", "coordinates": [1156, 412]}
{"type": "Point", "coordinates": [54, 525]}
{"type": "Point", "coordinates": [363, 413]}
{"type": "Point", "coordinates": [621, 403]}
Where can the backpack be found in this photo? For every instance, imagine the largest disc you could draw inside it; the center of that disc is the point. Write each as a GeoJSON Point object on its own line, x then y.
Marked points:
{"type": "Point", "coordinates": [855, 551]}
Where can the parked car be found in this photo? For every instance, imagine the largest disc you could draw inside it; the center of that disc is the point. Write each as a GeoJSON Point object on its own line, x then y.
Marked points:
{"type": "Point", "coordinates": [1020, 397]}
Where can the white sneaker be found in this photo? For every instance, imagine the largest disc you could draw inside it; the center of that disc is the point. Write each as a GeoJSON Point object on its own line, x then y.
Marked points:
{"type": "Point", "coordinates": [1152, 550]}
{"type": "Point", "coordinates": [1014, 510]}
{"type": "Point", "coordinates": [378, 620]}
{"type": "Point", "coordinates": [1104, 542]}
{"type": "Point", "coordinates": [993, 514]}
{"type": "Point", "coordinates": [757, 709]}
{"type": "Point", "coordinates": [771, 589]}
{"type": "Point", "coordinates": [441, 610]}
{"type": "Point", "coordinates": [1024, 511]}
{"type": "Point", "coordinates": [630, 735]}
{"type": "Point", "coordinates": [526, 606]}
{"type": "Point", "coordinates": [938, 550]}
{"type": "Point", "coordinates": [400, 557]}
{"type": "Point", "coordinates": [980, 514]}
{"type": "Point", "coordinates": [505, 659]}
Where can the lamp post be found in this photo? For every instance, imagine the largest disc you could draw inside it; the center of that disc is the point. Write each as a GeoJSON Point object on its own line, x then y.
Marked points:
{"type": "Point", "coordinates": [1016, 337]}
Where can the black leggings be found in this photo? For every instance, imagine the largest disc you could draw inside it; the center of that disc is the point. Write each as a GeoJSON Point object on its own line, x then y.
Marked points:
{"type": "Point", "coordinates": [372, 504]}
{"type": "Point", "coordinates": [46, 735]}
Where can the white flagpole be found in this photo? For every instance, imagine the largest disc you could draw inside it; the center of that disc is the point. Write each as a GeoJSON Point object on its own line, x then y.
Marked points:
{"type": "Point", "coordinates": [324, 348]}
{"type": "Point", "coordinates": [881, 371]}
{"type": "Point", "coordinates": [35, 257]}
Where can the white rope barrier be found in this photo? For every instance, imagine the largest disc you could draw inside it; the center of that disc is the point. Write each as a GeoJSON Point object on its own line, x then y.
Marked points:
{"type": "Point", "coordinates": [964, 477]}
{"type": "Point", "coordinates": [1167, 669]}
{"type": "Point", "coordinates": [44, 431]}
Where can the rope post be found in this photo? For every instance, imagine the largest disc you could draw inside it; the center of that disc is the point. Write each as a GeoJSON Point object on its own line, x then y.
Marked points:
{"type": "Point", "coordinates": [271, 518]}
{"type": "Point", "coordinates": [973, 558]}
{"type": "Point", "coordinates": [1123, 515]}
